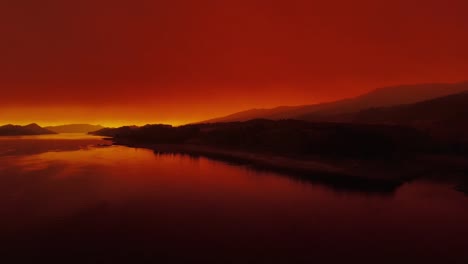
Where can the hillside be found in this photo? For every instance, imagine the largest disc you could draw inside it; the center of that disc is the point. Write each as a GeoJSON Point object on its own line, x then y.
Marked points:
{"type": "Point", "coordinates": [382, 97]}
{"type": "Point", "coordinates": [31, 129]}
{"type": "Point", "coordinates": [284, 137]}
{"type": "Point", "coordinates": [453, 107]}
{"type": "Point", "coordinates": [75, 128]}
{"type": "Point", "coordinates": [445, 117]}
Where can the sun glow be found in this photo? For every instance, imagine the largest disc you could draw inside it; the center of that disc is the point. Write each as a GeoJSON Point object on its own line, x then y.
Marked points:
{"type": "Point", "coordinates": [106, 116]}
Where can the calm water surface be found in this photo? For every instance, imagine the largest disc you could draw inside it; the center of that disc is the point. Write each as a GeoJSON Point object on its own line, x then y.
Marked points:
{"type": "Point", "coordinates": [65, 199]}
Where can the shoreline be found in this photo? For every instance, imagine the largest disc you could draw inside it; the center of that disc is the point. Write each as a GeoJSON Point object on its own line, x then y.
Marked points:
{"type": "Point", "coordinates": [340, 176]}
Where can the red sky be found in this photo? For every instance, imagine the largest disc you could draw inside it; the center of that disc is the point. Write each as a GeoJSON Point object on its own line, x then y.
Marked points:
{"type": "Point", "coordinates": [147, 61]}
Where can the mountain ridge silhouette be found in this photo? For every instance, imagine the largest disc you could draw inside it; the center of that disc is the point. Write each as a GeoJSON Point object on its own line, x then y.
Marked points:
{"type": "Point", "coordinates": [380, 97]}
{"type": "Point", "coordinates": [31, 129]}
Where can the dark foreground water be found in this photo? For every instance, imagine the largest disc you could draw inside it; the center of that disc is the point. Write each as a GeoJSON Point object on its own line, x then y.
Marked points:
{"type": "Point", "coordinates": [63, 199]}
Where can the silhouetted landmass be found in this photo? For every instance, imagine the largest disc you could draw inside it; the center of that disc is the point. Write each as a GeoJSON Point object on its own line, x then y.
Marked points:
{"type": "Point", "coordinates": [383, 97]}
{"type": "Point", "coordinates": [392, 144]}
{"type": "Point", "coordinates": [445, 119]}
{"type": "Point", "coordinates": [31, 129]}
{"type": "Point", "coordinates": [330, 151]}
{"type": "Point", "coordinates": [451, 109]}
{"type": "Point", "coordinates": [74, 128]}
{"type": "Point", "coordinates": [283, 137]}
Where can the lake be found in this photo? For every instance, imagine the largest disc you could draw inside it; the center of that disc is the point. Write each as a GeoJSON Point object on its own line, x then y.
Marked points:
{"type": "Point", "coordinates": [67, 199]}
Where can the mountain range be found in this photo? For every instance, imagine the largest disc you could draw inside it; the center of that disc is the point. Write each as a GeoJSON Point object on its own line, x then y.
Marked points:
{"type": "Point", "coordinates": [332, 111]}
{"type": "Point", "coordinates": [31, 129]}
{"type": "Point", "coordinates": [452, 107]}
{"type": "Point", "coordinates": [35, 129]}
{"type": "Point", "coordinates": [437, 107]}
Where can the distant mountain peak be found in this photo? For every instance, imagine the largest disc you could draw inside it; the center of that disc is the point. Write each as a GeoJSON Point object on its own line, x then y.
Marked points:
{"type": "Point", "coordinates": [33, 125]}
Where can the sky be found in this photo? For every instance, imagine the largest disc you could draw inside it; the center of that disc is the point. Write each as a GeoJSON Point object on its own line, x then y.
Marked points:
{"type": "Point", "coordinates": [118, 62]}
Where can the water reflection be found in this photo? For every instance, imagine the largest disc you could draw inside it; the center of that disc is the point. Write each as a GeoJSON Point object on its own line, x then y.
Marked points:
{"type": "Point", "coordinates": [29, 145]}
{"type": "Point", "coordinates": [123, 205]}
{"type": "Point", "coordinates": [336, 182]}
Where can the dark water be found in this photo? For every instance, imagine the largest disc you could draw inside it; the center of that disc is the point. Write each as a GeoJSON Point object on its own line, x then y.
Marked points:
{"type": "Point", "coordinates": [65, 200]}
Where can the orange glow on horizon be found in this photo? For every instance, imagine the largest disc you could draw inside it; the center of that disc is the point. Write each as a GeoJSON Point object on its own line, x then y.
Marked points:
{"type": "Point", "coordinates": [144, 61]}
{"type": "Point", "coordinates": [173, 112]}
